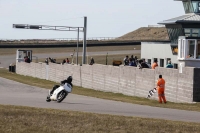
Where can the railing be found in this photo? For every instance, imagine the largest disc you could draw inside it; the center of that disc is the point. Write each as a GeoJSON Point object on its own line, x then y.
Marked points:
{"type": "Point", "coordinates": [58, 39]}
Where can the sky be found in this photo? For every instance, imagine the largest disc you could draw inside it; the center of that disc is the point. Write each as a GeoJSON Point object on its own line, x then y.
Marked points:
{"type": "Point", "coordinates": [105, 18]}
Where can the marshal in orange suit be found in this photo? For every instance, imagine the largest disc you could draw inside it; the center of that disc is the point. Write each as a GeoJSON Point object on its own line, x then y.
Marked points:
{"type": "Point", "coordinates": [161, 89]}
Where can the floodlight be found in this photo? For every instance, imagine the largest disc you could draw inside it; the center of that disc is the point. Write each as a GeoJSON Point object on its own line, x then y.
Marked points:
{"type": "Point", "coordinates": [34, 27]}
{"type": "Point", "coordinates": [22, 26]}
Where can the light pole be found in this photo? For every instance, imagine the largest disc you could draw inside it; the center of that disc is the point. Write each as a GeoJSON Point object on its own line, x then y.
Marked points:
{"type": "Point", "coordinates": [84, 40]}
{"type": "Point", "coordinates": [62, 28]}
{"type": "Point", "coordinates": [77, 50]}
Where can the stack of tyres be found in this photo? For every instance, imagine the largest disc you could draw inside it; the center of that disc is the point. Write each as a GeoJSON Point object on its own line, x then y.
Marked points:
{"type": "Point", "coordinates": [12, 68]}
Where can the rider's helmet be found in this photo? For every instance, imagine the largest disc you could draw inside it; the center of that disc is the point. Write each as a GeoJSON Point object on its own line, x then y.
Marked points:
{"type": "Point", "coordinates": [69, 79]}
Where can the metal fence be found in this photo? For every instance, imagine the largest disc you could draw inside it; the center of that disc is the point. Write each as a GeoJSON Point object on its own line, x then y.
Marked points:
{"type": "Point", "coordinates": [58, 39]}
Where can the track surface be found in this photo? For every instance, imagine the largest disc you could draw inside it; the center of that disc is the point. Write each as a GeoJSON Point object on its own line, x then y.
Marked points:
{"type": "Point", "coordinates": [8, 59]}
{"type": "Point", "coordinates": [14, 93]}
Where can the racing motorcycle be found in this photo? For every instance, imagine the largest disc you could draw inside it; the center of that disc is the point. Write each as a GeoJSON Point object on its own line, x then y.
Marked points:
{"type": "Point", "coordinates": [60, 93]}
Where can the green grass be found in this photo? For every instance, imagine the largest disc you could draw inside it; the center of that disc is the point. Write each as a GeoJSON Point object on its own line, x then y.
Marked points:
{"type": "Point", "coordinates": [17, 119]}
{"type": "Point", "coordinates": [93, 93]}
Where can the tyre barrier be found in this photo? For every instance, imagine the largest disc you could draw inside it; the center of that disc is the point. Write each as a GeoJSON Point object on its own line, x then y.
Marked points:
{"type": "Point", "coordinates": [12, 68]}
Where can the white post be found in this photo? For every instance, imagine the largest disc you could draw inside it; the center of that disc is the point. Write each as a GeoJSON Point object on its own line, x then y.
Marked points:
{"type": "Point", "coordinates": [195, 49]}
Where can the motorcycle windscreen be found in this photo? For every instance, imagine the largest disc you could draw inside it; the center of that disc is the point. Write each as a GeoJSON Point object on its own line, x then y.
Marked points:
{"type": "Point", "coordinates": [68, 87]}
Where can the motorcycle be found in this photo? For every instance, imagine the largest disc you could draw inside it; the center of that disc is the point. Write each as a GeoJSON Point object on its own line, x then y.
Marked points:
{"type": "Point", "coordinates": [60, 93]}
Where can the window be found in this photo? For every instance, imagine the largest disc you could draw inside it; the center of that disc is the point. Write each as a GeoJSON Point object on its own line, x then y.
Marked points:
{"type": "Point", "coordinates": [175, 66]}
{"type": "Point", "coordinates": [191, 6]}
{"type": "Point", "coordinates": [161, 62]}
{"type": "Point", "coordinates": [174, 34]}
{"type": "Point", "coordinates": [194, 32]}
{"type": "Point", "coordinates": [149, 61]}
{"type": "Point", "coordinates": [174, 50]}
{"type": "Point", "coordinates": [20, 56]}
{"type": "Point", "coordinates": [168, 59]}
{"type": "Point", "coordinates": [191, 53]}
{"type": "Point", "coordinates": [188, 7]}
{"type": "Point", "coordinates": [196, 6]}
{"type": "Point", "coordinates": [188, 49]}
{"type": "Point", "coordinates": [198, 49]}
{"type": "Point", "coordinates": [155, 59]}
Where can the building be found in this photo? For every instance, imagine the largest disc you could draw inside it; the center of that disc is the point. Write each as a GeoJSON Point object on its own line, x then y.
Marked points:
{"type": "Point", "coordinates": [183, 49]}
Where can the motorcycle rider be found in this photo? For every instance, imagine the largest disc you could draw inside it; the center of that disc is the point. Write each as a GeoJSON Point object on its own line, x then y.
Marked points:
{"type": "Point", "coordinates": [68, 80]}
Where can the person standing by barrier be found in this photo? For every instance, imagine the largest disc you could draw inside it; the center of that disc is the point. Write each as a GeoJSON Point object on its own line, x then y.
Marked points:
{"type": "Point", "coordinates": [155, 64]}
{"type": "Point", "coordinates": [126, 61]}
{"type": "Point", "coordinates": [92, 61]}
{"type": "Point", "coordinates": [161, 89]}
{"type": "Point", "coordinates": [169, 65]}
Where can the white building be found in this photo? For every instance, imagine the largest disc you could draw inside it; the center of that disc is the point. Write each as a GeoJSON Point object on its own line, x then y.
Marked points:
{"type": "Point", "coordinates": [183, 49]}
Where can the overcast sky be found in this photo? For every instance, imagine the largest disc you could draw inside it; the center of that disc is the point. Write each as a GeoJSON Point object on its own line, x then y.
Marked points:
{"type": "Point", "coordinates": [106, 18]}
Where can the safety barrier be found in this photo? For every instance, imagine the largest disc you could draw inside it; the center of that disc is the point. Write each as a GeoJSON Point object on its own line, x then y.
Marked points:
{"type": "Point", "coordinates": [180, 87]}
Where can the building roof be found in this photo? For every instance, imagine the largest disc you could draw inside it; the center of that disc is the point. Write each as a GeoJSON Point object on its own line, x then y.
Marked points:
{"type": "Point", "coordinates": [187, 18]}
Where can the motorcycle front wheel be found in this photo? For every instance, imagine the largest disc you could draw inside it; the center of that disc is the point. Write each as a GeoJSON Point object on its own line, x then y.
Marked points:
{"type": "Point", "coordinates": [61, 96]}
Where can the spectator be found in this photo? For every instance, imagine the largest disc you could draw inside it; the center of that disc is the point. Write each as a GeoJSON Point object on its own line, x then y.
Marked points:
{"type": "Point", "coordinates": [47, 61]}
{"type": "Point", "coordinates": [25, 59]}
{"type": "Point", "coordinates": [28, 59]}
{"type": "Point", "coordinates": [52, 60]}
{"type": "Point", "coordinates": [142, 64]}
{"type": "Point", "coordinates": [132, 57]}
{"type": "Point", "coordinates": [64, 61]}
{"type": "Point", "coordinates": [136, 60]}
{"type": "Point", "coordinates": [169, 65]}
{"type": "Point", "coordinates": [155, 64]}
{"type": "Point", "coordinates": [91, 61]}
{"type": "Point", "coordinates": [126, 61]}
{"type": "Point", "coordinates": [149, 65]}
{"type": "Point", "coordinates": [131, 62]}
{"type": "Point", "coordinates": [67, 61]}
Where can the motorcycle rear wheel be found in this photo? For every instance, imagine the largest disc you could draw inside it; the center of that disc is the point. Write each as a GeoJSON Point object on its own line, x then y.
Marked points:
{"type": "Point", "coordinates": [61, 96]}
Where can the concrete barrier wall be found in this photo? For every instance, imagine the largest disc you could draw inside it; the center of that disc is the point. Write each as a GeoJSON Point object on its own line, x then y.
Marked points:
{"type": "Point", "coordinates": [86, 76]}
{"type": "Point", "coordinates": [98, 77]}
{"type": "Point", "coordinates": [52, 72]}
{"type": "Point", "coordinates": [185, 85]}
{"type": "Point", "coordinates": [58, 72]}
{"type": "Point", "coordinates": [124, 79]}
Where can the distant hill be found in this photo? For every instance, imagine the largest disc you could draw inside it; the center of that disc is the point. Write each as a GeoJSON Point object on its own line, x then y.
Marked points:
{"type": "Point", "coordinates": [146, 34]}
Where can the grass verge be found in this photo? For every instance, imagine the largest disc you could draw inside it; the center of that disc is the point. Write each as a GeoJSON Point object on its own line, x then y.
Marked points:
{"type": "Point", "coordinates": [31, 120]}
{"type": "Point", "coordinates": [93, 93]}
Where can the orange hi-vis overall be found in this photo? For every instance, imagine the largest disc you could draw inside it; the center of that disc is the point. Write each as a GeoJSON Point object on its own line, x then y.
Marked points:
{"type": "Point", "coordinates": [161, 90]}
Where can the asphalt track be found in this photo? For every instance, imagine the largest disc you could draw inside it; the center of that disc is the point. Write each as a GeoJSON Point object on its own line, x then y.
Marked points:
{"type": "Point", "coordinates": [14, 93]}
{"type": "Point", "coordinates": [6, 60]}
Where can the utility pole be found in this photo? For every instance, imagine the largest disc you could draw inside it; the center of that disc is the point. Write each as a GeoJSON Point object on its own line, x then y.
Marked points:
{"type": "Point", "coordinates": [77, 50]}
{"type": "Point", "coordinates": [84, 40]}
